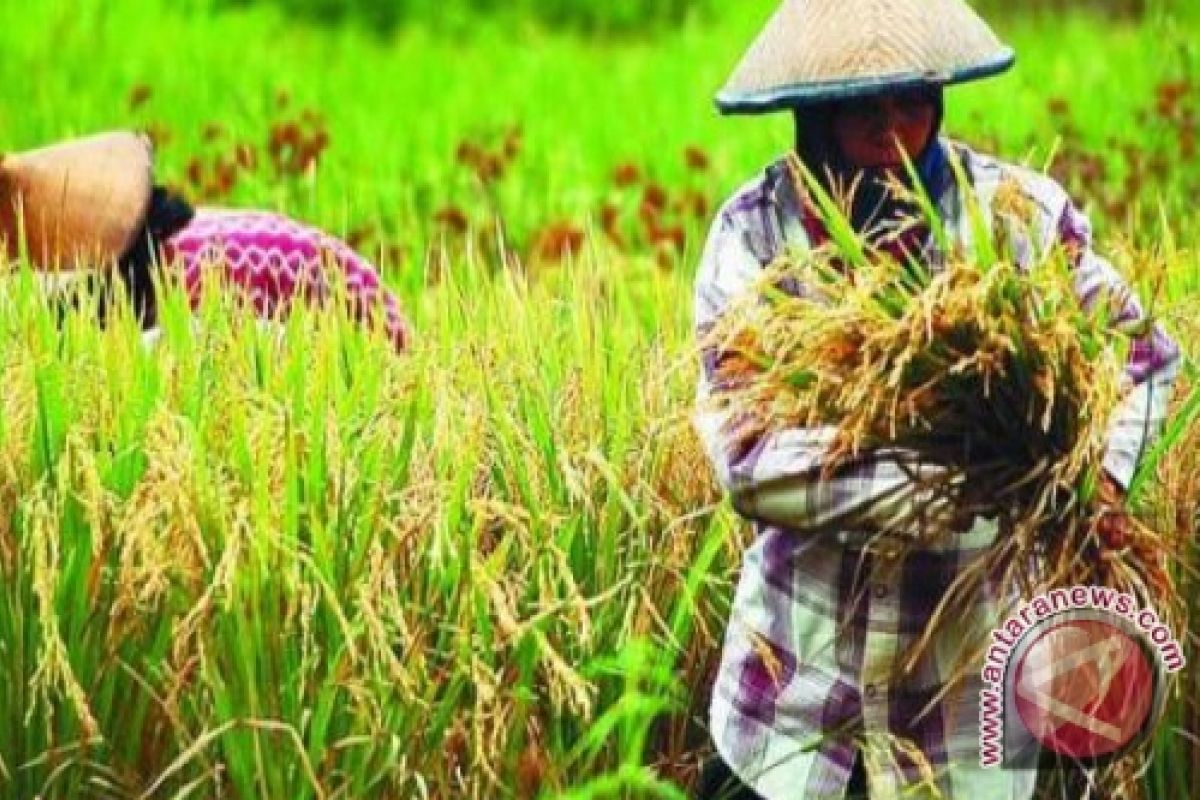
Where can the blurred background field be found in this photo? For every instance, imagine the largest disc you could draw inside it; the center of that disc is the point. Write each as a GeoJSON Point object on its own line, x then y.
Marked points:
{"type": "Point", "coordinates": [423, 135]}
{"type": "Point", "coordinates": [499, 566]}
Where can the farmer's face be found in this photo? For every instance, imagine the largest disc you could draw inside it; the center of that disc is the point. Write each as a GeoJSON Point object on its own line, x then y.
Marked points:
{"type": "Point", "coordinates": [871, 130]}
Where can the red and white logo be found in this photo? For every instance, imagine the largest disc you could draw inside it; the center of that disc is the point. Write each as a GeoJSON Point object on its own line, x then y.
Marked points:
{"type": "Point", "coordinates": [1085, 688]}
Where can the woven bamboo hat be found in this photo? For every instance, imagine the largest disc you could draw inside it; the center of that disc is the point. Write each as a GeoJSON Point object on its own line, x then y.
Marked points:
{"type": "Point", "coordinates": [79, 203]}
{"type": "Point", "coordinates": [818, 50]}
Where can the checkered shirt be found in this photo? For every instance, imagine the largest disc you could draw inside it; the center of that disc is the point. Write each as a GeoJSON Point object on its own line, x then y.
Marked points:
{"type": "Point", "coordinates": [818, 621]}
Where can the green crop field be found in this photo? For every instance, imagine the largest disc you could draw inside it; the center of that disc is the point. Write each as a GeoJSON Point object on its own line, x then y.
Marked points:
{"type": "Point", "coordinates": [247, 566]}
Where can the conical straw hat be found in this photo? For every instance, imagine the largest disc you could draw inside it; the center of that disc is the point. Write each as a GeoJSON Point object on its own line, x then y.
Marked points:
{"type": "Point", "coordinates": [79, 203]}
{"type": "Point", "coordinates": [815, 50]}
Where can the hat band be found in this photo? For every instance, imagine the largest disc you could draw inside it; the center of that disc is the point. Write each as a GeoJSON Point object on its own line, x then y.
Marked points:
{"type": "Point", "coordinates": [800, 94]}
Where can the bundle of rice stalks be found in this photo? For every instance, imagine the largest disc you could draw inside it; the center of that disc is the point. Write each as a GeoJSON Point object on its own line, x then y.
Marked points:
{"type": "Point", "coordinates": [985, 364]}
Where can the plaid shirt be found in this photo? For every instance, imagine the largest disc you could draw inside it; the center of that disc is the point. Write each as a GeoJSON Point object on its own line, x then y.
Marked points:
{"type": "Point", "coordinates": [819, 621]}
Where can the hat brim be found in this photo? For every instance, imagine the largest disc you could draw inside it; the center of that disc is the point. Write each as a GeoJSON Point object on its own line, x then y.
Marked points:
{"type": "Point", "coordinates": [78, 204]}
{"type": "Point", "coordinates": [799, 95]}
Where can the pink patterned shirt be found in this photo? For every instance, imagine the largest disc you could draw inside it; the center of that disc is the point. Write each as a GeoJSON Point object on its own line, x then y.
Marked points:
{"type": "Point", "coordinates": [271, 259]}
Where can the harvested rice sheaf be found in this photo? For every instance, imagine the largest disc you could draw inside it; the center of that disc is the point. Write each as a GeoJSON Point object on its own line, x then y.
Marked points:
{"type": "Point", "coordinates": [990, 368]}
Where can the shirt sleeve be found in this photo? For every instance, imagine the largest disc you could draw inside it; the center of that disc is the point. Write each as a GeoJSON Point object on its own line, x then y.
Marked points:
{"type": "Point", "coordinates": [1154, 359]}
{"type": "Point", "coordinates": [784, 478]}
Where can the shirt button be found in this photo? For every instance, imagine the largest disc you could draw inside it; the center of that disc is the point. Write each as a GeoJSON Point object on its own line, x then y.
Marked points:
{"type": "Point", "coordinates": [880, 590]}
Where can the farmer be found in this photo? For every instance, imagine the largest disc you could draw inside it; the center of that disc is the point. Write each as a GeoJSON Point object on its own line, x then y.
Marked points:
{"type": "Point", "coordinates": [817, 622]}
{"type": "Point", "coordinates": [80, 206]}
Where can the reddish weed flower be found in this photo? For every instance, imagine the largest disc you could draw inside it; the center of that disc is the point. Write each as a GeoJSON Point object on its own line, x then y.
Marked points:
{"type": "Point", "coordinates": [292, 149]}
{"type": "Point", "coordinates": [1173, 91]}
{"type": "Point", "coordinates": [467, 153]}
{"type": "Point", "coordinates": [1169, 97]}
{"type": "Point", "coordinates": [393, 255]}
{"type": "Point", "coordinates": [212, 132]}
{"type": "Point", "coordinates": [490, 169]}
{"type": "Point", "coordinates": [283, 136]}
{"type": "Point", "coordinates": [226, 177]}
{"type": "Point", "coordinates": [654, 203]}
{"type": "Point", "coordinates": [655, 196]}
{"type": "Point", "coordinates": [358, 237]}
{"type": "Point", "coordinates": [610, 216]}
{"type": "Point", "coordinates": [558, 241]}
{"type": "Point", "coordinates": [626, 175]}
{"type": "Point", "coordinates": [693, 203]}
{"type": "Point", "coordinates": [673, 235]}
{"type": "Point", "coordinates": [648, 215]}
{"type": "Point", "coordinates": [696, 159]}
{"type": "Point", "coordinates": [1058, 107]}
{"type": "Point", "coordinates": [610, 223]}
{"type": "Point", "coordinates": [160, 134]}
{"type": "Point", "coordinates": [139, 95]}
{"type": "Point", "coordinates": [195, 172]}
{"type": "Point", "coordinates": [1092, 170]}
{"type": "Point", "coordinates": [513, 143]}
{"type": "Point", "coordinates": [246, 156]}
{"type": "Point", "coordinates": [1117, 209]}
{"type": "Point", "coordinates": [453, 218]}
{"type": "Point", "coordinates": [320, 140]}
{"type": "Point", "coordinates": [1158, 167]}
{"type": "Point", "coordinates": [301, 161]}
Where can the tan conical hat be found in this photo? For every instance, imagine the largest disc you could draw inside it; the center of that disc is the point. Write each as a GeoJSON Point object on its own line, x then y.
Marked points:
{"type": "Point", "coordinates": [816, 50]}
{"type": "Point", "coordinates": [80, 203]}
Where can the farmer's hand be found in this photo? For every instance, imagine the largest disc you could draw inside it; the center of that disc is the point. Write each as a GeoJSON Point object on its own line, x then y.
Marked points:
{"type": "Point", "coordinates": [1115, 527]}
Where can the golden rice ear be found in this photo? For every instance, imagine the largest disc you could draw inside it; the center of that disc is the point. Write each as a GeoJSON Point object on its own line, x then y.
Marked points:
{"type": "Point", "coordinates": [77, 204]}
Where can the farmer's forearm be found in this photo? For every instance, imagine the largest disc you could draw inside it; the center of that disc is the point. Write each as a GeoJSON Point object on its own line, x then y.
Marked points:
{"type": "Point", "coordinates": [850, 504]}
{"type": "Point", "coordinates": [785, 479]}
{"type": "Point", "coordinates": [1138, 421]}
{"type": "Point", "coordinates": [1153, 365]}
{"type": "Point", "coordinates": [1153, 362]}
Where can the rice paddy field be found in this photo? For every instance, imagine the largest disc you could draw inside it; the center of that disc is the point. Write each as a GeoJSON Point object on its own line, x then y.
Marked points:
{"type": "Point", "coordinates": [243, 565]}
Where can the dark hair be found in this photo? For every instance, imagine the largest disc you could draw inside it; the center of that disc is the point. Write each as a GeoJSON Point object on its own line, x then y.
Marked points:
{"type": "Point", "coordinates": [168, 214]}
{"type": "Point", "coordinates": [818, 148]}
